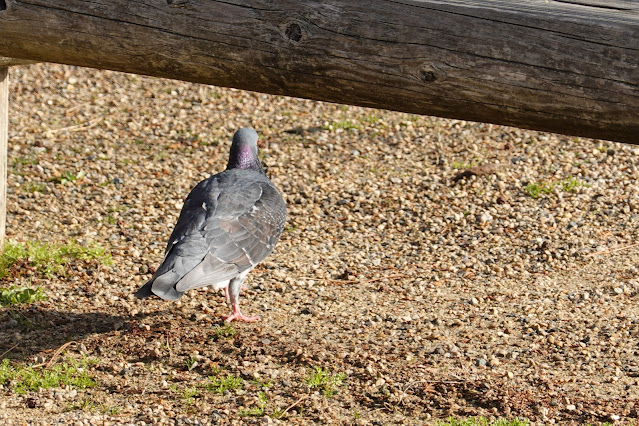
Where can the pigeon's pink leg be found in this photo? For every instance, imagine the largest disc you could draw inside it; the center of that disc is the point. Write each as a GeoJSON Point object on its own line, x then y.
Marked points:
{"type": "Point", "coordinates": [227, 295]}
{"type": "Point", "coordinates": [237, 315]}
{"type": "Point", "coordinates": [233, 291]}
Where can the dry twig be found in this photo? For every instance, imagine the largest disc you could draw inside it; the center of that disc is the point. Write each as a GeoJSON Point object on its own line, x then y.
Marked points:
{"type": "Point", "coordinates": [76, 128]}
{"type": "Point", "coordinates": [9, 350]}
{"type": "Point", "coordinates": [612, 250]}
{"type": "Point", "coordinates": [294, 404]}
{"type": "Point", "coordinates": [57, 352]}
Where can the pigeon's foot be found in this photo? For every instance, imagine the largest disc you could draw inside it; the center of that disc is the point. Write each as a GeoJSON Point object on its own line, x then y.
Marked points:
{"type": "Point", "coordinates": [237, 315]}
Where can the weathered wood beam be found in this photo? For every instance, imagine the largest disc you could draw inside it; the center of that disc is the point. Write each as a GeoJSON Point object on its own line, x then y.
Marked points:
{"type": "Point", "coordinates": [8, 62]}
{"type": "Point", "coordinates": [565, 66]}
{"type": "Point", "coordinates": [4, 135]}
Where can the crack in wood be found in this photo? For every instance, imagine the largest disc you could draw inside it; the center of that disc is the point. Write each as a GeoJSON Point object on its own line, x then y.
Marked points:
{"type": "Point", "coordinates": [599, 4]}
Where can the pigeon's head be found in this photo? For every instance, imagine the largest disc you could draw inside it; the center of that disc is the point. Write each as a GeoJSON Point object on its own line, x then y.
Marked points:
{"type": "Point", "coordinates": [244, 151]}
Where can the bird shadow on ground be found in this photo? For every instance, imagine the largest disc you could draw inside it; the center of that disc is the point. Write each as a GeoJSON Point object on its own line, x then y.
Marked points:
{"type": "Point", "coordinates": [32, 330]}
{"type": "Point", "coordinates": [35, 329]}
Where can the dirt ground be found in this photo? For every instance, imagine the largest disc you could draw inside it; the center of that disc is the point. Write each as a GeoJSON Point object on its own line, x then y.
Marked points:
{"type": "Point", "coordinates": [429, 267]}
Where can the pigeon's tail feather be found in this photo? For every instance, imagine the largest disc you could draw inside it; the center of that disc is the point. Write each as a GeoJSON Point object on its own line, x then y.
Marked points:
{"type": "Point", "coordinates": [145, 291]}
{"type": "Point", "coordinates": [162, 286]}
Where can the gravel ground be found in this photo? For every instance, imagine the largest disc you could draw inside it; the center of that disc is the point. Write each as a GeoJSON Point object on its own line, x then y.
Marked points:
{"type": "Point", "coordinates": [416, 262]}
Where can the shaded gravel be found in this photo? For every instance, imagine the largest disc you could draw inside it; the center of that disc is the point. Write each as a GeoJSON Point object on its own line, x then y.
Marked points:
{"type": "Point", "coordinates": [414, 260]}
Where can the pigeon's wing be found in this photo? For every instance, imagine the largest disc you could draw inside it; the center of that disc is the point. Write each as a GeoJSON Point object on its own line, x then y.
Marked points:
{"type": "Point", "coordinates": [228, 224]}
{"type": "Point", "coordinates": [242, 231]}
{"type": "Point", "coordinates": [186, 247]}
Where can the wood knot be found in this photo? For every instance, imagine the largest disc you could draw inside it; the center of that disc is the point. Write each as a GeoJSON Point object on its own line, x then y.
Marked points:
{"type": "Point", "coordinates": [427, 76]}
{"type": "Point", "coordinates": [3, 5]}
{"type": "Point", "coordinates": [293, 32]}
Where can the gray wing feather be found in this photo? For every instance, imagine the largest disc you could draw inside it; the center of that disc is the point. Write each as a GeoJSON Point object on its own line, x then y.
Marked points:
{"type": "Point", "coordinates": [208, 272]}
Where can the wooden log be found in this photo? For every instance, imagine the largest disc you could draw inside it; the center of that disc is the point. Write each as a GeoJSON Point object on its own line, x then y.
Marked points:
{"type": "Point", "coordinates": [565, 66]}
{"type": "Point", "coordinates": [8, 62]}
{"type": "Point", "coordinates": [4, 135]}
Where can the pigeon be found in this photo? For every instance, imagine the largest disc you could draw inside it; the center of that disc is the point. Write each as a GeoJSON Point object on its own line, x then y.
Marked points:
{"type": "Point", "coordinates": [229, 223]}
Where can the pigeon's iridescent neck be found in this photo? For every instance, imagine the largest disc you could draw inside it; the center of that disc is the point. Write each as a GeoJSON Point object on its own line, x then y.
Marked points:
{"type": "Point", "coordinates": [245, 159]}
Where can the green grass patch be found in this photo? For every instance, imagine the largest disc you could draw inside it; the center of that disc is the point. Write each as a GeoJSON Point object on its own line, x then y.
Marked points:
{"type": "Point", "coordinates": [223, 384]}
{"type": "Point", "coordinates": [120, 208]}
{"type": "Point", "coordinates": [20, 295]}
{"type": "Point", "coordinates": [25, 378]}
{"type": "Point", "coordinates": [371, 119]}
{"type": "Point", "coordinates": [215, 384]}
{"type": "Point", "coordinates": [47, 258]}
{"type": "Point", "coordinates": [84, 405]}
{"type": "Point", "coordinates": [290, 228]}
{"type": "Point", "coordinates": [187, 394]}
{"type": "Point", "coordinates": [29, 160]}
{"type": "Point", "coordinates": [324, 380]}
{"type": "Point", "coordinates": [68, 177]}
{"type": "Point", "coordinates": [258, 410]}
{"type": "Point", "coordinates": [461, 165]}
{"type": "Point", "coordinates": [261, 384]}
{"type": "Point", "coordinates": [482, 421]}
{"type": "Point", "coordinates": [226, 331]}
{"type": "Point", "coordinates": [32, 187]}
{"type": "Point", "coordinates": [538, 188]}
{"type": "Point", "coordinates": [571, 184]}
{"type": "Point", "coordinates": [111, 410]}
{"type": "Point", "coordinates": [191, 363]}
{"type": "Point", "coordinates": [374, 121]}
{"type": "Point", "coordinates": [344, 124]}
{"type": "Point", "coordinates": [92, 406]}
